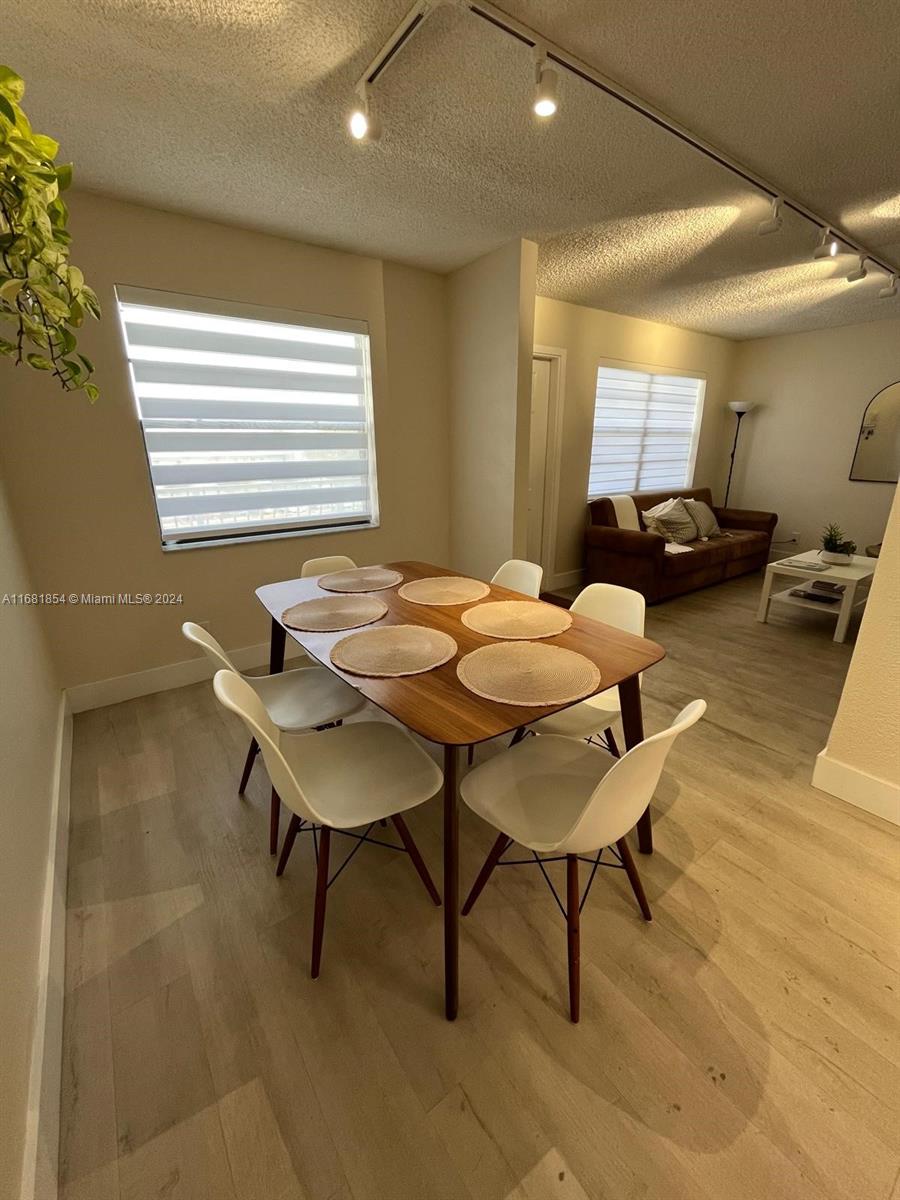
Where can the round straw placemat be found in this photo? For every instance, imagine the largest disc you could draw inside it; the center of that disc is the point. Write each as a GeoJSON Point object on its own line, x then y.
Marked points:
{"type": "Point", "coordinates": [360, 579]}
{"type": "Point", "coordinates": [330, 613]}
{"type": "Point", "coordinates": [527, 673]}
{"type": "Point", "coordinates": [517, 619]}
{"type": "Point", "coordinates": [393, 650]}
{"type": "Point", "coordinates": [444, 589]}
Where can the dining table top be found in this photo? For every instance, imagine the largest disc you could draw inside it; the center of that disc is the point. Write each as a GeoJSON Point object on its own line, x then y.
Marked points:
{"type": "Point", "coordinates": [436, 704]}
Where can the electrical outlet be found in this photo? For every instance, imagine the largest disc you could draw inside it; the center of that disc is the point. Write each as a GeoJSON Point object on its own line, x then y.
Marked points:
{"type": "Point", "coordinates": [795, 535]}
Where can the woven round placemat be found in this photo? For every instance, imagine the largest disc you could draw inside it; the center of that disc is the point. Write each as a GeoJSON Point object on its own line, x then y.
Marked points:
{"type": "Point", "coordinates": [360, 579]}
{"type": "Point", "coordinates": [527, 673]}
{"type": "Point", "coordinates": [393, 650]}
{"type": "Point", "coordinates": [331, 613]}
{"type": "Point", "coordinates": [444, 589]}
{"type": "Point", "coordinates": [517, 619]}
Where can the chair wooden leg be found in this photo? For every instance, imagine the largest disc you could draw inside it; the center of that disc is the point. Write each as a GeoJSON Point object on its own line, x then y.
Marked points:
{"type": "Point", "coordinates": [470, 756]}
{"type": "Point", "coordinates": [274, 817]}
{"type": "Point", "coordinates": [248, 765]}
{"type": "Point", "coordinates": [517, 736]}
{"type": "Point", "coordinates": [417, 860]}
{"type": "Point", "coordinates": [321, 894]}
{"type": "Point", "coordinates": [611, 742]}
{"type": "Point", "coordinates": [633, 878]}
{"type": "Point", "coordinates": [574, 936]}
{"type": "Point", "coordinates": [496, 853]}
{"type": "Point", "coordinates": [292, 830]}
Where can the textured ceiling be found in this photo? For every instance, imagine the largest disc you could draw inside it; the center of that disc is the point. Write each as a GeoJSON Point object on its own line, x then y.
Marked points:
{"type": "Point", "coordinates": [234, 110]}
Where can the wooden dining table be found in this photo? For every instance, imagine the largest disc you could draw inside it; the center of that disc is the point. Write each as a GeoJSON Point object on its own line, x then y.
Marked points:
{"type": "Point", "coordinates": [440, 709]}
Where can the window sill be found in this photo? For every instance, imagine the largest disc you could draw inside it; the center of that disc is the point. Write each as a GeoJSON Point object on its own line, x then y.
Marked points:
{"type": "Point", "coordinates": [243, 539]}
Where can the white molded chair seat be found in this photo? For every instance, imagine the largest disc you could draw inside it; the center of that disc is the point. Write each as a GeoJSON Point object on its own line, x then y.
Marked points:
{"type": "Point", "coordinates": [359, 773]}
{"type": "Point", "coordinates": [326, 565]}
{"type": "Point", "coordinates": [520, 576]}
{"type": "Point", "coordinates": [305, 698]}
{"type": "Point", "coordinates": [558, 795]}
{"type": "Point", "coordinates": [337, 779]}
{"type": "Point", "coordinates": [613, 605]}
{"type": "Point", "coordinates": [536, 791]}
{"type": "Point", "coordinates": [301, 699]}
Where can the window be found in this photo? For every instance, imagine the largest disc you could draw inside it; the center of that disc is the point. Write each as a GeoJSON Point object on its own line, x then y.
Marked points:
{"type": "Point", "coordinates": [645, 431]}
{"type": "Point", "coordinates": [255, 422]}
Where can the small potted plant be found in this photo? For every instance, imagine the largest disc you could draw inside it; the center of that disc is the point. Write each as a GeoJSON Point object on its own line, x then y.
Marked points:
{"type": "Point", "coordinates": [835, 547]}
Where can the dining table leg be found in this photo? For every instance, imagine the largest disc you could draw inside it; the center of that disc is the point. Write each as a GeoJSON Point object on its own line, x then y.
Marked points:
{"type": "Point", "coordinates": [276, 648]}
{"type": "Point", "coordinates": [633, 725]}
{"type": "Point", "coordinates": [451, 883]}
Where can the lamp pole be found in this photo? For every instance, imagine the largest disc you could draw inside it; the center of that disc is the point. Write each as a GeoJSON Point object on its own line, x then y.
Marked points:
{"type": "Point", "coordinates": [740, 408]}
{"type": "Point", "coordinates": [737, 430]}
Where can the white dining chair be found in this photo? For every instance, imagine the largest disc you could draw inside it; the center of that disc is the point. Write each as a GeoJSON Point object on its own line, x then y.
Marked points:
{"type": "Point", "coordinates": [594, 717]}
{"type": "Point", "coordinates": [296, 700]}
{"type": "Point", "coordinates": [337, 781]}
{"type": "Point", "coordinates": [567, 799]}
{"type": "Point", "coordinates": [325, 566]}
{"type": "Point", "coordinates": [520, 576]}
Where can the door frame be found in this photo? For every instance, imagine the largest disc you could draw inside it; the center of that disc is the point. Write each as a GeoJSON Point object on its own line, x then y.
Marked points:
{"type": "Point", "coordinates": [556, 356]}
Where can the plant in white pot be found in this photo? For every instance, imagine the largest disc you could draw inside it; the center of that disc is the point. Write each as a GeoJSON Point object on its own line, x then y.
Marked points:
{"type": "Point", "coordinates": [836, 548]}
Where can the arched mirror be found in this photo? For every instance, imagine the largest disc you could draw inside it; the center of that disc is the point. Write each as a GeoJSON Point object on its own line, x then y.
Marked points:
{"type": "Point", "coordinates": [877, 457]}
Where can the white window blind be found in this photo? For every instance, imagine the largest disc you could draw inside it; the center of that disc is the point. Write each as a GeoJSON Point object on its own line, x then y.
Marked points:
{"type": "Point", "coordinates": [645, 431]}
{"type": "Point", "coordinates": [253, 424]}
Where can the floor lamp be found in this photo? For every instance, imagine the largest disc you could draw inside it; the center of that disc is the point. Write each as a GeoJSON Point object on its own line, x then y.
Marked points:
{"type": "Point", "coordinates": [739, 408]}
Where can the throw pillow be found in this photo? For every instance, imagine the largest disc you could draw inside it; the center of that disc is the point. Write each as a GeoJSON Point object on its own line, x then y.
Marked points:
{"type": "Point", "coordinates": [704, 518]}
{"type": "Point", "coordinates": [674, 522]}
{"type": "Point", "coordinates": [649, 515]}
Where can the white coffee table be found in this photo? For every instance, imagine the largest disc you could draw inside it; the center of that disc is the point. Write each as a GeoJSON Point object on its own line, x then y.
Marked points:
{"type": "Point", "coordinates": [855, 576]}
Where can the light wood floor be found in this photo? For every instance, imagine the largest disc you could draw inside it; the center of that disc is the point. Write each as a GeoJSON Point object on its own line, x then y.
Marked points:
{"type": "Point", "coordinates": [741, 1047]}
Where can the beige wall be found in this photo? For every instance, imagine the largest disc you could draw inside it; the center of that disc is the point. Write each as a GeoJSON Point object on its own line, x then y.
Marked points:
{"type": "Point", "coordinates": [77, 477]}
{"type": "Point", "coordinates": [796, 449]}
{"type": "Point", "coordinates": [491, 316]}
{"type": "Point", "coordinates": [589, 335]}
{"type": "Point", "coordinates": [29, 715]}
{"type": "Point", "coordinates": [865, 736]}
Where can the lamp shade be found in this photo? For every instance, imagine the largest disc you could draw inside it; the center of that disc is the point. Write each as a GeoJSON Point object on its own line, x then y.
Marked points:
{"type": "Point", "coordinates": [741, 406]}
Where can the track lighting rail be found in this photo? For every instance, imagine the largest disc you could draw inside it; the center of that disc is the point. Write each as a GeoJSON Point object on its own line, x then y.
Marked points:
{"type": "Point", "coordinates": [553, 53]}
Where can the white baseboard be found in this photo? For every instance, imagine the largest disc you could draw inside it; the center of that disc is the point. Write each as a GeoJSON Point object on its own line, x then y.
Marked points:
{"type": "Point", "coordinates": [41, 1153]}
{"type": "Point", "coordinates": [161, 679]}
{"type": "Point", "coordinates": [857, 787]}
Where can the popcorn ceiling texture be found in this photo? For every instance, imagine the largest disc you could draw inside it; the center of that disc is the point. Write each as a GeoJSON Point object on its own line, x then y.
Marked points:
{"type": "Point", "coordinates": [235, 110]}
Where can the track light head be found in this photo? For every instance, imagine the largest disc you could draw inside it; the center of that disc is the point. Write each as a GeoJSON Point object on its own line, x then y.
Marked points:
{"type": "Point", "coordinates": [363, 123]}
{"type": "Point", "coordinates": [774, 221]}
{"type": "Point", "coordinates": [890, 289]}
{"type": "Point", "coordinates": [860, 271]}
{"type": "Point", "coordinates": [546, 86]}
{"type": "Point", "coordinates": [827, 247]}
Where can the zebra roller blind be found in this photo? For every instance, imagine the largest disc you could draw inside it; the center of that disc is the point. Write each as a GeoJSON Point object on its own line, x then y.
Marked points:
{"type": "Point", "coordinates": [645, 431]}
{"type": "Point", "coordinates": [253, 423]}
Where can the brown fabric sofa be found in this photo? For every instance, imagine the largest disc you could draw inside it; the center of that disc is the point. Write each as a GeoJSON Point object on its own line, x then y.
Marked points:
{"type": "Point", "coordinates": [637, 559]}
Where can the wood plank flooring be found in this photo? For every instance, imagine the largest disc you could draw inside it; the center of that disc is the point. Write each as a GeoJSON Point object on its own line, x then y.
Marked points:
{"type": "Point", "coordinates": [743, 1045]}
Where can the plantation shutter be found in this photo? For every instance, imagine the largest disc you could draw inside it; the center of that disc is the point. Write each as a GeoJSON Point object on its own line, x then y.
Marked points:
{"type": "Point", "coordinates": [252, 425]}
{"type": "Point", "coordinates": [645, 431]}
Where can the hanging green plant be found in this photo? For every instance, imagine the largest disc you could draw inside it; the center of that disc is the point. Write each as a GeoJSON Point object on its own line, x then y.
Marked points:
{"type": "Point", "coordinates": [41, 293]}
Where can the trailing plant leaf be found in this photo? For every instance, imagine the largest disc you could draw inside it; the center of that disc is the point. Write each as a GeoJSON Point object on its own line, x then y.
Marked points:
{"type": "Point", "coordinates": [41, 293]}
